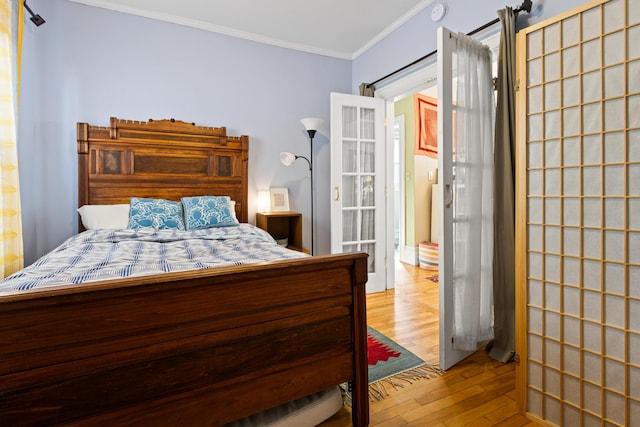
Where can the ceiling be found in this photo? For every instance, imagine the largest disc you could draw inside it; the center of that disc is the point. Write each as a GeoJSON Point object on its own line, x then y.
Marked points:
{"type": "Point", "coordinates": [338, 28]}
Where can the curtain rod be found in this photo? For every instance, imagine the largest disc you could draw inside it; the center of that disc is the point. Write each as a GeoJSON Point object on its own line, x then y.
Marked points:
{"type": "Point", "coordinates": [526, 6]}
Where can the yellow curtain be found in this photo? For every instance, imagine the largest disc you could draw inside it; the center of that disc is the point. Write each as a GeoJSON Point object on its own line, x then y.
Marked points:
{"type": "Point", "coordinates": [11, 253]}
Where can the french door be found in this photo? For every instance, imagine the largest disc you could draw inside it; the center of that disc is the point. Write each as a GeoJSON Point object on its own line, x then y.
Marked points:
{"type": "Point", "coordinates": [465, 175]}
{"type": "Point", "coordinates": [358, 181]}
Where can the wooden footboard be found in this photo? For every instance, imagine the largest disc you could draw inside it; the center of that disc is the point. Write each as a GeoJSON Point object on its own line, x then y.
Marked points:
{"type": "Point", "coordinates": [191, 348]}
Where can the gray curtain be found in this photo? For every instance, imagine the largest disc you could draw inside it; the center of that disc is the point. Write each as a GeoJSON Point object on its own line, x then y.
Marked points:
{"type": "Point", "coordinates": [367, 90]}
{"type": "Point", "coordinates": [503, 348]}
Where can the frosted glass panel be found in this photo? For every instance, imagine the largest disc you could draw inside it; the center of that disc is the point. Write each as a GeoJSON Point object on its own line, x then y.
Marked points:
{"type": "Point", "coordinates": [571, 61]}
{"type": "Point", "coordinates": [592, 367]}
{"type": "Point", "coordinates": [368, 191]}
{"type": "Point", "coordinates": [535, 127]}
{"type": "Point", "coordinates": [591, 87]}
{"type": "Point", "coordinates": [572, 306]}
{"type": "Point", "coordinates": [552, 153]}
{"type": "Point", "coordinates": [614, 147]}
{"type": "Point", "coordinates": [614, 114]}
{"type": "Point", "coordinates": [552, 268]}
{"type": "Point", "coordinates": [591, 23]}
{"type": "Point", "coordinates": [571, 182]}
{"type": "Point", "coordinates": [591, 213]}
{"type": "Point", "coordinates": [534, 44]}
{"type": "Point", "coordinates": [591, 55]}
{"type": "Point", "coordinates": [552, 239]}
{"type": "Point", "coordinates": [368, 231]}
{"type": "Point", "coordinates": [614, 180]}
{"type": "Point", "coordinates": [571, 211]}
{"type": "Point", "coordinates": [634, 248]}
{"type": "Point", "coordinates": [591, 274]}
{"type": "Point", "coordinates": [571, 365]}
{"type": "Point", "coordinates": [571, 330]}
{"type": "Point", "coordinates": [614, 213]}
{"type": "Point", "coordinates": [591, 246]}
{"type": "Point", "coordinates": [535, 154]}
{"type": "Point", "coordinates": [614, 343]}
{"type": "Point", "coordinates": [614, 48]}
{"type": "Point", "coordinates": [614, 278]}
{"type": "Point", "coordinates": [634, 179]}
{"type": "Point", "coordinates": [633, 214]}
{"type": "Point", "coordinates": [349, 191]}
{"type": "Point", "coordinates": [535, 238]}
{"type": "Point", "coordinates": [552, 410]}
{"type": "Point", "coordinates": [552, 124]}
{"type": "Point", "coordinates": [633, 49]}
{"type": "Point", "coordinates": [535, 99]}
{"type": "Point", "coordinates": [535, 320]}
{"type": "Point", "coordinates": [571, 151]}
{"type": "Point", "coordinates": [614, 405]}
{"type": "Point", "coordinates": [571, 91]}
{"type": "Point", "coordinates": [591, 149]}
{"type": "Point", "coordinates": [349, 122]}
{"type": "Point", "coordinates": [633, 81]}
{"type": "Point", "coordinates": [367, 123]}
{"type": "Point", "coordinates": [592, 339]}
{"type": "Point", "coordinates": [614, 81]}
{"type": "Point", "coordinates": [535, 210]}
{"type": "Point", "coordinates": [535, 346]}
{"type": "Point", "coordinates": [614, 375]}
{"type": "Point", "coordinates": [535, 182]}
{"type": "Point", "coordinates": [349, 226]}
{"type": "Point", "coordinates": [633, 148]}
{"type": "Point", "coordinates": [552, 67]}
{"type": "Point", "coordinates": [572, 241]}
{"type": "Point", "coordinates": [614, 310]}
{"type": "Point", "coordinates": [552, 38]}
{"type": "Point", "coordinates": [552, 325]}
{"type": "Point", "coordinates": [535, 72]}
{"type": "Point", "coordinates": [571, 31]}
{"type": "Point", "coordinates": [591, 307]}
{"type": "Point", "coordinates": [535, 265]}
{"type": "Point", "coordinates": [552, 210]}
{"type": "Point", "coordinates": [634, 381]}
{"type": "Point", "coordinates": [633, 13]}
{"type": "Point", "coordinates": [614, 245]}
{"type": "Point", "coordinates": [634, 282]}
{"type": "Point", "coordinates": [591, 117]}
{"type": "Point", "coordinates": [571, 271]}
{"type": "Point", "coordinates": [552, 353]}
{"type": "Point", "coordinates": [591, 178]}
{"type": "Point", "coordinates": [367, 153]}
{"type": "Point", "coordinates": [552, 96]}
{"type": "Point", "coordinates": [634, 111]}
{"type": "Point", "coordinates": [349, 156]}
{"type": "Point", "coordinates": [552, 298]}
{"type": "Point", "coordinates": [535, 293]}
{"type": "Point", "coordinates": [571, 121]}
{"type": "Point", "coordinates": [614, 15]}
{"type": "Point", "coordinates": [634, 348]}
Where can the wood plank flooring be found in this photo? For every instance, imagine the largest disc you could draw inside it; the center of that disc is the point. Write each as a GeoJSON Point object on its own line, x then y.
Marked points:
{"type": "Point", "coordinates": [477, 392]}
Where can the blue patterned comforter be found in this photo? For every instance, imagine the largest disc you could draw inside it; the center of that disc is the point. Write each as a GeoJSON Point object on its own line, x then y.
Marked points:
{"type": "Point", "coordinates": [110, 254]}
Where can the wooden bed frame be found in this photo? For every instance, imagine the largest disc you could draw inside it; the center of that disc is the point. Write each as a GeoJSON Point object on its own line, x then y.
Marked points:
{"type": "Point", "coordinates": [188, 348]}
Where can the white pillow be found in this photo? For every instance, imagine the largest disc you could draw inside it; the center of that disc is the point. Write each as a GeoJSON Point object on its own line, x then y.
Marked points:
{"type": "Point", "coordinates": [106, 217]}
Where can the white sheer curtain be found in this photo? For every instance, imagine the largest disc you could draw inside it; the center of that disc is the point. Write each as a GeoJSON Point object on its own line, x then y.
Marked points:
{"type": "Point", "coordinates": [473, 194]}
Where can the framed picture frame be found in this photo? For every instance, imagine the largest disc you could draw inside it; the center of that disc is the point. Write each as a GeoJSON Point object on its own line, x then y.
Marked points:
{"type": "Point", "coordinates": [279, 199]}
{"type": "Point", "coordinates": [426, 122]}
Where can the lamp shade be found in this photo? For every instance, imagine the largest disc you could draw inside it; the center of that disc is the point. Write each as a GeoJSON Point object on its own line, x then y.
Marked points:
{"type": "Point", "coordinates": [311, 123]}
{"type": "Point", "coordinates": [287, 159]}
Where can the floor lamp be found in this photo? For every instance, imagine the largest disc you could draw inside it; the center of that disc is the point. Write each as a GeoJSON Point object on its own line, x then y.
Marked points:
{"type": "Point", "coordinates": [311, 125]}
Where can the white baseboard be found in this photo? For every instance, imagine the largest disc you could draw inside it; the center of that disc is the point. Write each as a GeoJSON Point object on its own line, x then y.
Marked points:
{"type": "Point", "coordinates": [409, 255]}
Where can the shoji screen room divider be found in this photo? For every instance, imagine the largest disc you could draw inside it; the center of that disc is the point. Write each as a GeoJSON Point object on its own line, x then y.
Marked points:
{"type": "Point", "coordinates": [578, 216]}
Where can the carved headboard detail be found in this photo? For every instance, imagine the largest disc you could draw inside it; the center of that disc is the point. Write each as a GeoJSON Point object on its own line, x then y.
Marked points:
{"type": "Point", "coordinates": [166, 159]}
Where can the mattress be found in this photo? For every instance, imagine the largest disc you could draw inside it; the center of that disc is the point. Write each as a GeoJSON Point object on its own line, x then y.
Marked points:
{"type": "Point", "coordinates": [307, 411]}
{"type": "Point", "coordinates": [112, 254]}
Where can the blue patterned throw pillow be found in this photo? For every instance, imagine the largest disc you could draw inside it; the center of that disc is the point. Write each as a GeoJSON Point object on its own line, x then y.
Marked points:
{"type": "Point", "coordinates": [208, 211]}
{"type": "Point", "coordinates": [159, 214]}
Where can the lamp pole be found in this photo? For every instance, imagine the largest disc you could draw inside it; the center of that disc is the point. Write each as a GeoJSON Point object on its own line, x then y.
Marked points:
{"type": "Point", "coordinates": [311, 133]}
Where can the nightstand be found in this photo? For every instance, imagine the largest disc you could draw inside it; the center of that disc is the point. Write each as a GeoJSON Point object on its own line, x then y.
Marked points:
{"type": "Point", "coordinates": [283, 225]}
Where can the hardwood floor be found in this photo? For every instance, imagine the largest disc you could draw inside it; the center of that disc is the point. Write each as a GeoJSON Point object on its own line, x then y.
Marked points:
{"type": "Point", "coordinates": [477, 392]}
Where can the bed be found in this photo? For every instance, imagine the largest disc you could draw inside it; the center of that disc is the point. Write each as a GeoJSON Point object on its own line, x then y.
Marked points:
{"type": "Point", "coordinates": [184, 347]}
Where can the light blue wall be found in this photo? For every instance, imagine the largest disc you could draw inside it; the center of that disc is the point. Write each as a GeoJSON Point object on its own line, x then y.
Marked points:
{"type": "Point", "coordinates": [87, 64]}
{"type": "Point", "coordinates": [417, 37]}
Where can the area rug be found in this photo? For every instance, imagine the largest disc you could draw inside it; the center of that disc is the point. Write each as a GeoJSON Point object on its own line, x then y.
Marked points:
{"type": "Point", "coordinates": [392, 365]}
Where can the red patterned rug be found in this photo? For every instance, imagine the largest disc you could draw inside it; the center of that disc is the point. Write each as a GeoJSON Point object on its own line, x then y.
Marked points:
{"type": "Point", "coordinates": [390, 364]}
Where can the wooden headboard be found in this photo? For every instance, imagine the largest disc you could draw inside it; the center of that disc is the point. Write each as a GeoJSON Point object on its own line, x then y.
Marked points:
{"type": "Point", "coordinates": [164, 159]}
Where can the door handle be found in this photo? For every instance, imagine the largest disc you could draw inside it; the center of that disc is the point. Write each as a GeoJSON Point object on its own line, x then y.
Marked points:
{"type": "Point", "coordinates": [449, 190]}
{"type": "Point", "coordinates": [337, 193]}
